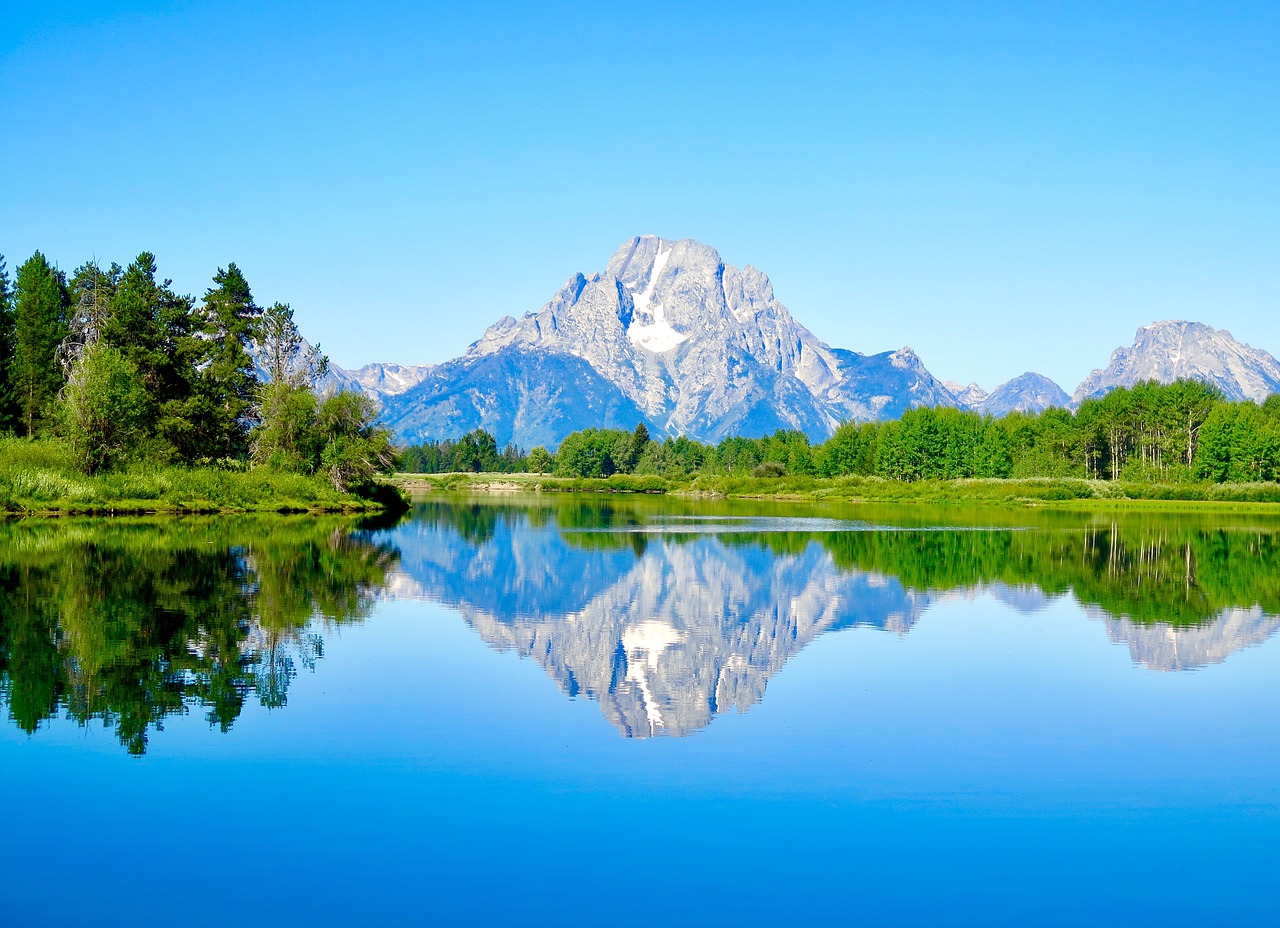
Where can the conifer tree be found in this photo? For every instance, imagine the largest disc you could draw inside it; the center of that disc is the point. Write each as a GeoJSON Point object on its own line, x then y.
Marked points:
{"type": "Point", "coordinates": [40, 325]}
{"type": "Point", "coordinates": [157, 332]}
{"type": "Point", "coordinates": [228, 379]}
{"type": "Point", "coordinates": [8, 411]}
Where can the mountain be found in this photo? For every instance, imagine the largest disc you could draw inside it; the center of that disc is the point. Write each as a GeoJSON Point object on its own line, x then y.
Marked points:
{"type": "Point", "coordinates": [1169, 351]}
{"type": "Point", "coordinates": [1029, 392]}
{"type": "Point", "coordinates": [970, 397]}
{"type": "Point", "coordinates": [667, 334]}
{"type": "Point", "coordinates": [379, 380]}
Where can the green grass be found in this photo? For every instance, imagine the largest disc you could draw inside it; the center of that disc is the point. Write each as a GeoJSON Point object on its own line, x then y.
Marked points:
{"type": "Point", "coordinates": [1050, 492]}
{"type": "Point", "coordinates": [41, 477]}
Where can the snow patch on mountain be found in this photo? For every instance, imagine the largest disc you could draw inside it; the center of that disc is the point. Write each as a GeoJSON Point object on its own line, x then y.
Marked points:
{"type": "Point", "coordinates": [656, 335]}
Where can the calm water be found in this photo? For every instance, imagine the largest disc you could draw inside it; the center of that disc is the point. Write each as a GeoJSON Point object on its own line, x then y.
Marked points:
{"type": "Point", "coordinates": [641, 712]}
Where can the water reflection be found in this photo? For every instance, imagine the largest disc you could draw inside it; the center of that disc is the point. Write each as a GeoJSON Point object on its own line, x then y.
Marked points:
{"type": "Point", "coordinates": [130, 622]}
{"type": "Point", "coordinates": [665, 612]}
{"type": "Point", "coordinates": [668, 619]}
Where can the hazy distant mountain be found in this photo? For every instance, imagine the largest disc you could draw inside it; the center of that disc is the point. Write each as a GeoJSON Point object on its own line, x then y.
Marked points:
{"type": "Point", "coordinates": [667, 334]}
{"type": "Point", "coordinates": [970, 397]}
{"type": "Point", "coordinates": [1029, 392]}
{"type": "Point", "coordinates": [1168, 351]}
{"type": "Point", "coordinates": [380, 380]}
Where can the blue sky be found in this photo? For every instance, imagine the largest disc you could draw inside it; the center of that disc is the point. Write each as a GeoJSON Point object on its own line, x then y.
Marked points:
{"type": "Point", "coordinates": [1002, 186]}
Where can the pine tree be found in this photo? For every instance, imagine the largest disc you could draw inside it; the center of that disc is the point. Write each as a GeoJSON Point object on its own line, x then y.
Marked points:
{"type": "Point", "coordinates": [157, 332]}
{"type": "Point", "coordinates": [40, 325]}
{"type": "Point", "coordinates": [228, 382]}
{"type": "Point", "coordinates": [8, 409]}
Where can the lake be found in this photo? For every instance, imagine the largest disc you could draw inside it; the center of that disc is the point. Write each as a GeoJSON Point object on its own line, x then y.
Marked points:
{"type": "Point", "coordinates": [642, 711]}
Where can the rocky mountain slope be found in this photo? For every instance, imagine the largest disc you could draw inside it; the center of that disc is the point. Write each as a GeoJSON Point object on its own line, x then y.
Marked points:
{"type": "Point", "coordinates": [380, 381]}
{"type": "Point", "coordinates": [1168, 351]}
{"type": "Point", "coordinates": [667, 334]}
{"type": "Point", "coordinates": [1029, 392]}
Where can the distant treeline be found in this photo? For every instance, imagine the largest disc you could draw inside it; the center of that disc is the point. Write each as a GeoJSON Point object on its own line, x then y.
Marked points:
{"type": "Point", "coordinates": [1151, 432]}
{"type": "Point", "coordinates": [115, 363]}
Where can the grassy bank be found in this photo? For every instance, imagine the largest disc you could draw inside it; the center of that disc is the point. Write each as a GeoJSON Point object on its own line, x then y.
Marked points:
{"type": "Point", "coordinates": [40, 478]}
{"type": "Point", "coordinates": [1064, 493]}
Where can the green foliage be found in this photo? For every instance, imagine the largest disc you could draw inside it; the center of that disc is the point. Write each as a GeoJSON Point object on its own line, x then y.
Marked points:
{"type": "Point", "coordinates": [228, 383]}
{"type": "Point", "coordinates": [352, 450]}
{"type": "Point", "coordinates": [47, 475]}
{"type": "Point", "coordinates": [105, 407]}
{"type": "Point", "coordinates": [540, 461]}
{"type": "Point", "coordinates": [596, 453]}
{"type": "Point", "coordinates": [40, 325]}
{"type": "Point", "coordinates": [475, 452]}
{"type": "Point", "coordinates": [9, 415]}
{"type": "Point", "coordinates": [285, 437]}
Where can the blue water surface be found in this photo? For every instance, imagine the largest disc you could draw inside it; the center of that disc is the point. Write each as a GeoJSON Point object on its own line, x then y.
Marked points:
{"type": "Point", "coordinates": [526, 727]}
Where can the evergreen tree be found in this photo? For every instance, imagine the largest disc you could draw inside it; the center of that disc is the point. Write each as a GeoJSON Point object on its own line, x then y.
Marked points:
{"type": "Point", "coordinates": [228, 382]}
{"type": "Point", "coordinates": [40, 325]}
{"type": "Point", "coordinates": [155, 329]}
{"type": "Point", "coordinates": [8, 408]}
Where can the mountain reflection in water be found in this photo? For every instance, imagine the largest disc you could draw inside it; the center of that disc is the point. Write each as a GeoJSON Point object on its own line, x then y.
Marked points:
{"type": "Point", "coordinates": [665, 612]}
{"type": "Point", "coordinates": [667, 621]}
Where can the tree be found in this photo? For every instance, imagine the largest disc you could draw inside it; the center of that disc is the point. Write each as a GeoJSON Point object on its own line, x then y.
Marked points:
{"type": "Point", "coordinates": [285, 436]}
{"type": "Point", "coordinates": [8, 409]}
{"type": "Point", "coordinates": [286, 408]}
{"type": "Point", "coordinates": [92, 291]}
{"type": "Point", "coordinates": [283, 353]}
{"type": "Point", "coordinates": [540, 460]}
{"type": "Point", "coordinates": [40, 325]}
{"type": "Point", "coordinates": [228, 382]}
{"type": "Point", "coordinates": [352, 449]}
{"type": "Point", "coordinates": [105, 406]}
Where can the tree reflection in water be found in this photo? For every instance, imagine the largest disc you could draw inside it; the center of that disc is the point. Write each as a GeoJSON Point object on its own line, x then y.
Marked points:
{"type": "Point", "coordinates": [667, 612]}
{"type": "Point", "coordinates": [132, 621]}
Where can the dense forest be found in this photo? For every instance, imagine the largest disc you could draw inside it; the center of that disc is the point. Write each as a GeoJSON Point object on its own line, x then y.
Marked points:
{"type": "Point", "coordinates": [1174, 433]}
{"type": "Point", "coordinates": [116, 364]}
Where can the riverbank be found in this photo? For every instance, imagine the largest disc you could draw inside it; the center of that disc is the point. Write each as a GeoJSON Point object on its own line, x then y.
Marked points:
{"type": "Point", "coordinates": [39, 479]}
{"type": "Point", "coordinates": [1063, 493]}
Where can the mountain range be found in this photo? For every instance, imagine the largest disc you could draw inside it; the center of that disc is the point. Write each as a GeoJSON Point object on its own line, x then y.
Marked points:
{"type": "Point", "coordinates": [670, 335]}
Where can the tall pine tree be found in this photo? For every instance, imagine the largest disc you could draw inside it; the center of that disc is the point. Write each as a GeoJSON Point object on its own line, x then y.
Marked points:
{"type": "Point", "coordinates": [157, 332]}
{"type": "Point", "coordinates": [40, 325]}
{"type": "Point", "coordinates": [8, 410]}
{"type": "Point", "coordinates": [228, 380]}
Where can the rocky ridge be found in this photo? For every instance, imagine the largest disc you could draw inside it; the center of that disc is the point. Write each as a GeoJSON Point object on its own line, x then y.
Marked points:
{"type": "Point", "coordinates": [670, 335]}
{"type": "Point", "coordinates": [1173, 350]}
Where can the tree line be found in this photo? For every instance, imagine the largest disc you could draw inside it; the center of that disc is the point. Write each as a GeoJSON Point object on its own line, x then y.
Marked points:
{"type": "Point", "coordinates": [117, 363]}
{"type": "Point", "coordinates": [1151, 432]}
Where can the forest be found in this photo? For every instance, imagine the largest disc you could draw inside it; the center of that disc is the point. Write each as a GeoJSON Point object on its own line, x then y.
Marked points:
{"type": "Point", "coordinates": [117, 369]}
{"type": "Point", "coordinates": [1164, 433]}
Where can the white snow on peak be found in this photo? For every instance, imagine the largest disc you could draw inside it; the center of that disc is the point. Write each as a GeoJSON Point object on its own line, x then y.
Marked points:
{"type": "Point", "coordinates": [658, 335]}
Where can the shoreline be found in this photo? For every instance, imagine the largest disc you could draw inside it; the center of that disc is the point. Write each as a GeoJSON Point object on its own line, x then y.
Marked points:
{"type": "Point", "coordinates": [1069, 494]}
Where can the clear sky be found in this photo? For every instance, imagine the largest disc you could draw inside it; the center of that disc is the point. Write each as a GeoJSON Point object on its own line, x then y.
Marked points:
{"type": "Point", "coordinates": [1001, 185]}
